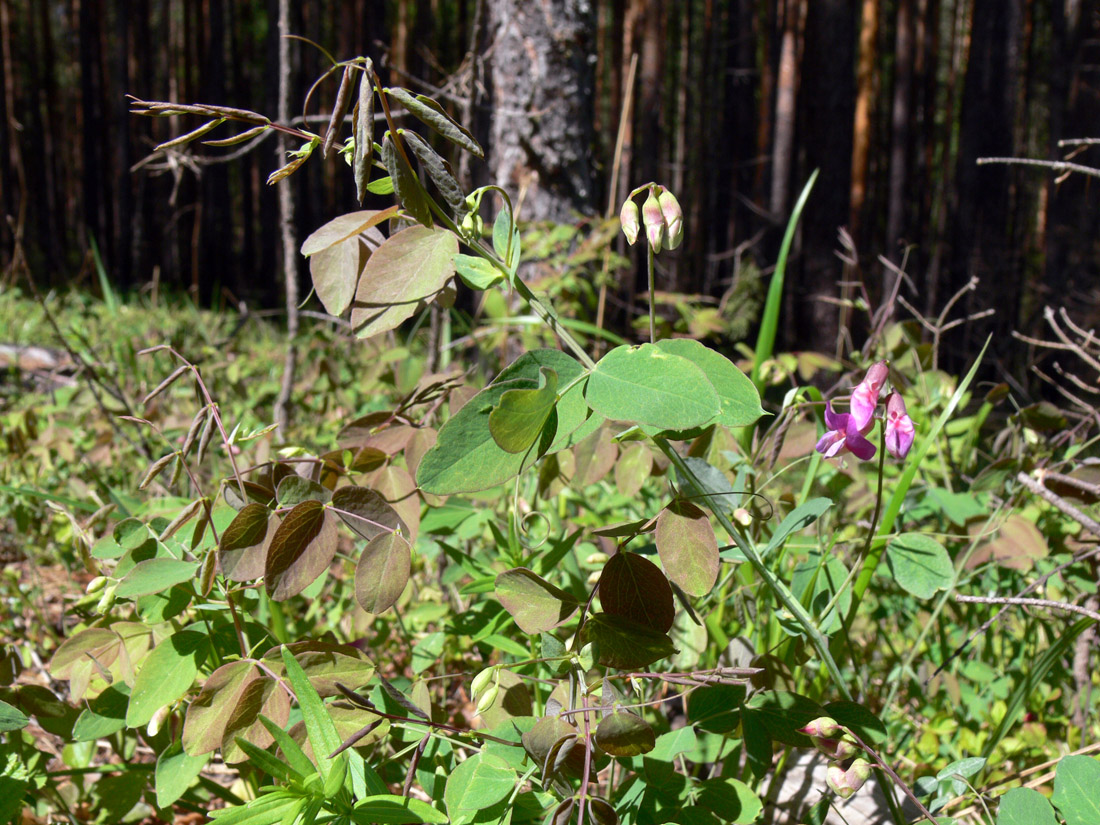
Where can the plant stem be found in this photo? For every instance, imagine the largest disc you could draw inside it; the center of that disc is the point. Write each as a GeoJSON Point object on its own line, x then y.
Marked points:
{"type": "Point", "coordinates": [652, 294]}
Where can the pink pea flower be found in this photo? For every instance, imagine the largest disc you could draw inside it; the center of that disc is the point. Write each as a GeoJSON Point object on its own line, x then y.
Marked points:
{"type": "Point", "coordinates": [899, 427]}
{"type": "Point", "coordinates": [844, 433]}
{"type": "Point", "coordinates": [865, 395]}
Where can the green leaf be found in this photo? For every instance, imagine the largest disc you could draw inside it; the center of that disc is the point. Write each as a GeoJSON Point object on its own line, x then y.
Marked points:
{"type": "Point", "coordinates": [571, 414]}
{"type": "Point", "coordinates": [688, 547]}
{"type": "Point", "coordinates": [382, 572]}
{"type": "Point", "coordinates": [11, 718]}
{"type": "Point", "coordinates": [477, 273]}
{"type": "Point", "coordinates": [480, 782]}
{"type": "Point", "coordinates": [797, 520]}
{"type": "Point", "coordinates": [623, 644]}
{"type": "Point", "coordinates": [390, 809]}
{"type": "Point", "coordinates": [294, 489]}
{"type": "Point", "coordinates": [716, 708]}
{"type": "Point", "coordinates": [870, 728]}
{"type": "Point", "coordinates": [292, 751]}
{"type": "Point", "coordinates": [428, 111]}
{"type": "Point", "coordinates": [411, 266]}
{"type": "Point", "coordinates": [279, 806]}
{"type": "Point", "coordinates": [105, 714]}
{"type": "Point", "coordinates": [1025, 806]}
{"type": "Point", "coordinates": [175, 772]}
{"type": "Point", "coordinates": [534, 603]}
{"type": "Point", "coordinates": [624, 734]}
{"type": "Point", "coordinates": [242, 552]}
{"type": "Point", "coordinates": [155, 576]}
{"type": "Point", "coordinates": [515, 423]}
{"type": "Point", "coordinates": [166, 675]}
{"type": "Point", "coordinates": [738, 396]}
{"type": "Point", "coordinates": [646, 385]}
{"type": "Point", "coordinates": [781, 713]}
{"type": "Point", "coordinates": [406, 185]}
{"type": "Point", "coordinates": [325, 664]}
{"type": "Point", "coordinates": [319, 727]}
{"type": "Point", "coordinates": [301, 550]}
{"type": "Point", "coordinates": [920, 564]}
{"type": "Point", "coordinates": [730, 799]}
{"type": "Point", "coordinates": [633, 587]}
{"type": "Point", "coordinates": [1075, 790]}
{"type": "Point", "coordinates": [506, 241]}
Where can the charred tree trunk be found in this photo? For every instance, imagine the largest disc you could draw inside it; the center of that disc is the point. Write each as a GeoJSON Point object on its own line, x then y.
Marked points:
{"type": "Point", "coordinates": [541, 85]}
{"type": "Point", "coordinates": [865, 95]}
{"type": "Point", "coordinates": [900, 118]}
{"type": "Point", "coordinates": [827, 95]}
{"type": "Point", "coordinates": [983, 237]}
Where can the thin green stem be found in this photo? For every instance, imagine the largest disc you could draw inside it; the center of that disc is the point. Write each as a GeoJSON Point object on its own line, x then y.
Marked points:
{"type": "Point", "coordinates": [652, 295]}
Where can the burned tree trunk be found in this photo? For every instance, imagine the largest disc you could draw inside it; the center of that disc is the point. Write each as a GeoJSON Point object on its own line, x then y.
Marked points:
{"type": "Point", "coordinates": [541, 97]}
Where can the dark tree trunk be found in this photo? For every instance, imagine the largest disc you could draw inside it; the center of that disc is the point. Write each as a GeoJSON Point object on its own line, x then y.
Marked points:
{"type": "Point", "coordinates": [828, 88]}
{"type": "Point", "coordinates": [541, 83]}
{"type": "Point", "coordinates": [900, 117]}
{"type": "Point", "coordinates": [983, 238]}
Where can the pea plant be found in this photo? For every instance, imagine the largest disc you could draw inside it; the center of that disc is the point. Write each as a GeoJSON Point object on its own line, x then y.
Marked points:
{"type": "Point", "coordinates": [598, 678]}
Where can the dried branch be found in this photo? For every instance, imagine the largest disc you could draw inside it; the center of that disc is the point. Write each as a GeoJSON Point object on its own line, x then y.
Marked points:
{"type": "Point", "coordinates": [1048, 604]}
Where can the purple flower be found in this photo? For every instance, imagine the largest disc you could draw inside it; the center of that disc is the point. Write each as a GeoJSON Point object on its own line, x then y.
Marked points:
{"type": "Point", "coordinates": [865, 395]}
{"type": "Point", "coordinates": [899, 427]}
{"type": "Point", "coordinates": [844, 434]}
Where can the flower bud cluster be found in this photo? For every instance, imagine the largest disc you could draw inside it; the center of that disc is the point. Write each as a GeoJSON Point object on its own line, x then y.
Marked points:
{"type": "Point", "coordinates": [834, 741]}
{"type": "Point", "coordinates": [660, 215]}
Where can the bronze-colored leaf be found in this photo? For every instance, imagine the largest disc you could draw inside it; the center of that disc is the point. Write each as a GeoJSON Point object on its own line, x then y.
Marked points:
{"type": "Point", "coordinates": [366, 512]}
{"type": "Point", "coordinates": [301, 550]}
{"type": "Point", "coordinates": [533, 602]}
{"type": "Point", "coordinates": [243, 548]}
{"type": "Point", "coordinates": [382, 572]}
{"type": "Point", "coordinates": [633, 587]}
{"type": "Point", "coordinates": [688, 548]}
{"type": "Point", "coordinates": [625, 734]}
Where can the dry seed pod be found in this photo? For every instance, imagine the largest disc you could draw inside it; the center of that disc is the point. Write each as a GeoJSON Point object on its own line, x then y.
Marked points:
{"type": "Point", "coordinates": [207, 432]}
{"type": "Point", "coordinates": [193, 430]}
{"type": "Point", "coordinates": [364, 131]}
{"type": "Point", "coordinates": [247, 134]}
{"type": "Point", "coordinates": [185, 515]}
{"type": "Point", "coordinates": [156, 469]}
{"type": "Point", "coordinates": [165, 384]}
{"type": "Point", "coordinates": [343, 98]}
{"type": "Point", "coordinates": [206, 575]}
{"type": "Point", "coordinates": [190, 136]}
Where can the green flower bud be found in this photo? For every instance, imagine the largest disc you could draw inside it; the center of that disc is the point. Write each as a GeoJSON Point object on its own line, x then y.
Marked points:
{"type": "Point", "coordinates": [673, 216]}
{"type": "Point", "coordinates": [96, 584]}
{"type": "Point", "coordinates": [482, 680]}
{"type": "Point", "coordinates": [486, 701]}
{"type": "Point", "coordinates": [837, 780]}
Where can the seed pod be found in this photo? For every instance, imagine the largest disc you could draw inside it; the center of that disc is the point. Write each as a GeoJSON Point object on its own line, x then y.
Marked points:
{"type": "Point", "coordinates": [165, 384]}
{"type": "Point", "coordinates": [207, 432]}
{"type": "Point", "coordinates": [343, 98]}
{"type": "Point", "coordinates": [156, 469]}
{"type": "Point", "coordinates": [194, 429]}
{"type": "Point", "coordinates": [206, 575]}
{"type": "Point", "coordinates": [184, 516]}
{"type": "Point", "coordinates": [364, 132]}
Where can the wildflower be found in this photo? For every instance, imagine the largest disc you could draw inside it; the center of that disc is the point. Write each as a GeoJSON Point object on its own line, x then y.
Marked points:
{"type": "Point", "coordinates": [844, 434]}
{"type": "Point", "coordinates": [654, 221]}
{"type": "Point", "coordinates": [628, 218]}
{"type": "Point", "coordinates": [899, 427]}
{"type": "Point", "coordinates": [865, 395]}
{"type": "Point", "coordinates": [823, 726]}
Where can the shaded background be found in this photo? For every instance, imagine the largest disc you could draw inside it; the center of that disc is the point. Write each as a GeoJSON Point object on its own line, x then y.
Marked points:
{"type": "Point", "coordinates": [733, 105]}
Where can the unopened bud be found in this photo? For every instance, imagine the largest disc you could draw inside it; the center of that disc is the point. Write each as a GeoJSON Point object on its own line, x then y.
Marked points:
{"type": "Point", "coordinates": [839, 749]}
{"type": "Point", "coordinates": [654, 222]}
{"type": "Point", "coordinates": [628, 219]}
{"type": "Point", "coordinates": [844, 783]}
{"type": "Point", "coordinates": [107, 600]}
{"type": "Point", "coordinates": [157, 722]}
{"type": "Point", "coordinates": [482, 680]}
{"type": "Point", "coordinates": [824, 727]}
{"type": "Point", "coordinates": [837, 781]}
{"type": "Point", "coordinates": [486, 701]}
{"type": "Point", "coordinates": [673, 216]}
{"type": "Point", "coordinates": [96, 584]}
